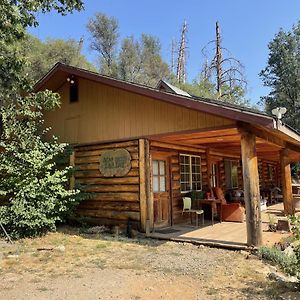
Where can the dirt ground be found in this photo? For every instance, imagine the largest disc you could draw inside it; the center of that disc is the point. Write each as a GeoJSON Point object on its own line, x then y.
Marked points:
{"type": "Point", "coordinates": [71, 265]}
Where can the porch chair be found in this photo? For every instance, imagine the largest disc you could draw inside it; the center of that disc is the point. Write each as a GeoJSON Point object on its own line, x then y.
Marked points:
{"type": "Point", "coordinates": [187, 208]}
{"type": "Point", "coordinates": [231, 212]}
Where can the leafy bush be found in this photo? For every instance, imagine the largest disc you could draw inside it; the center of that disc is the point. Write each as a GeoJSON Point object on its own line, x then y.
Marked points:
{"type": "Point", "coordinates": [33, 189]}
{"type": "Point", "coordinates": [288, 264]}
{"type": "Point", "coordinates": [295, 226]}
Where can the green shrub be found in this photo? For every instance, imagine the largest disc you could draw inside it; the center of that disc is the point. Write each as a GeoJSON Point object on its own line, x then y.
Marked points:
{"type": "Point", "coordinates": [295, 226]}
{"type": "Point", "coordinates": [33, 187]}
{"type": "Point", "coordinates": [288, 264]}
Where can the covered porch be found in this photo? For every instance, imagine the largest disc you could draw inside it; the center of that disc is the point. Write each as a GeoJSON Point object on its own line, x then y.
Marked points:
{"type": "Point", "coordinates": [229, 235]}
{"type": "Point", "coordinates": [262, 156]}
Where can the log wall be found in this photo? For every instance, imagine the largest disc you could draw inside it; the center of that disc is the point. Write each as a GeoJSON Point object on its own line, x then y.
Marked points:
{"type": "Point", "coordinates": [114, 200]}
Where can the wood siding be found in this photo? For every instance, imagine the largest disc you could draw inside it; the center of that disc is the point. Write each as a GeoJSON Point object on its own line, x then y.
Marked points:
{"type": "Point", "coordinates": [105, 113]}
{"type": "Point", "coordinates": [176, 196]}
{"type": "Point", "coordinates": [115, 200]}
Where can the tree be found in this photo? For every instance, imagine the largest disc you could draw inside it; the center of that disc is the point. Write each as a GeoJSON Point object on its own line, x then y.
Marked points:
{"type": "Point", "coordinates": [281, 75]}
{"type": "Point", "coordinates": [181, 62]}
{"type": "Point", "coordinates": [32, 186]}
{"type": "Point", "coordinates": [225, 71]}
{"type": "Point", "coordinates": [140, 61]}
{"type": "Point", "coordinates": [41, 57]}
{"type": "Point", "coordinates": [130, 60]}
{"type": "Point", "coordinates": [199, 87]}
{"type": "Point", "coordinates": [105, 34]}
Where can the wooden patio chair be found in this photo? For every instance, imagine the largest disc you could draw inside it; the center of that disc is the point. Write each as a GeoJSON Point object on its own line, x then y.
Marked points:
{"type": "Point", "coordinates": [231, 212]}
{"type": "Point", "coordinates": [187, 208]}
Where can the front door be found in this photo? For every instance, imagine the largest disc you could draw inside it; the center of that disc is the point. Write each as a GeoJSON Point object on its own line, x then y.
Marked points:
{"type": "Point", "coordinates": [161, 191]}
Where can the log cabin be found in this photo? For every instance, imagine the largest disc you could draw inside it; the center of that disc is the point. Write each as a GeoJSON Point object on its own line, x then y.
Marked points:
{"type": "Point", "coordinates": [139, 150]}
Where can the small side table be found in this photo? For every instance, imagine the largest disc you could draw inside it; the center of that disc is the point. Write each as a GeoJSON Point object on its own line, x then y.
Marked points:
{"type": "Point", "coordinates": [213, 203]}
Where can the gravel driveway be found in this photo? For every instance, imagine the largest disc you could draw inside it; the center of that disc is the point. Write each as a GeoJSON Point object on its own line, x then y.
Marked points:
{"type": "Point", "coordinates": [70, 265]}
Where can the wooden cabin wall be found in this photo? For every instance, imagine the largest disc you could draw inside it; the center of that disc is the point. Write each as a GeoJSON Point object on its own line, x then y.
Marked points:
{"type": "Point", "coordinates": [265, 181]}
{"type": "Point", "coordinates": [176, 195]}
{"type": "Point", "coordinates": [115, 200]}
{"type": "Point", "coordinates": [105, 113]}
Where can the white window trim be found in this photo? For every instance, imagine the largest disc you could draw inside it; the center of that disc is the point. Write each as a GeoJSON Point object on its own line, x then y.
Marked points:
{"type": "Point", "coordinates": [191, 173]}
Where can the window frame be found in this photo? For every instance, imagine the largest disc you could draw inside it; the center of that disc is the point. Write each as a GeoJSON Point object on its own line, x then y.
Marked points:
{"type": "Point", "coordinates": [190, 173]}
{"type": "Point", "coordinates": [231, 161]}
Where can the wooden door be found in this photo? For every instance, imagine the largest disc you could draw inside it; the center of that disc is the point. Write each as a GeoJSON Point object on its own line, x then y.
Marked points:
{"type": "Point", "coordinates": [161, 191]}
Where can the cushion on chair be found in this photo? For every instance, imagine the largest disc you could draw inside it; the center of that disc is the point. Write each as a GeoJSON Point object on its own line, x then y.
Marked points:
{"type": "Point", "coordinates": [233, 212]}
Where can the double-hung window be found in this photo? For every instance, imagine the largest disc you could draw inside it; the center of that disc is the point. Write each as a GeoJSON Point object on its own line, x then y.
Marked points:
{"type": "Point", "coordinates": [190, 173]}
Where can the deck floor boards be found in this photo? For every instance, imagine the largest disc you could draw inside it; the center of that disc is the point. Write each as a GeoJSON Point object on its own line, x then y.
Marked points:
{"type": "Point", "coordinates": [225, 234]}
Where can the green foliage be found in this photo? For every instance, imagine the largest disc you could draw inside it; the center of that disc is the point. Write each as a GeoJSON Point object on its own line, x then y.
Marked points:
{"type": "Point", "coordinates": [295, 226]}
{"type": "Point", "coordinates": [201, 88]}
{"type": "Point", "coordinates": [282, 75]}
{"type": "Point", "coordinates": [42, 56]}
{"type": "Point", "coordinates": [140, 61]}
{"type": "Point", "coordinates": [105, 34]}
{"type": "Point", "coordinates": [16, 16]}
{"type": "Point", "coordinates": [33, 191]}
{"type": "Point", "coordinates": [288, 264]}
{"type": "Point", "coordinates": [137, 61]}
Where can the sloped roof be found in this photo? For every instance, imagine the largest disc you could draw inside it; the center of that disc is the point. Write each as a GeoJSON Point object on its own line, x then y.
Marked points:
{"type": "Point", "coordinates": [59, 73]}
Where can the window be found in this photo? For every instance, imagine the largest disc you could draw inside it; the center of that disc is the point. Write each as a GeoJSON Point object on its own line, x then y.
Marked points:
{"type": "Point", "coordinates": [159, 176]}
{"type": "Point", "coordinates": [231, 174]}
{"type": "Point", "coordinates": [73, 90]}
{"type": "Point", "coordinates": [271, 172]}
{"type": "Point", "coordinates": [190, 173]}
{"type": "Point", "coordinates": [214, 175]}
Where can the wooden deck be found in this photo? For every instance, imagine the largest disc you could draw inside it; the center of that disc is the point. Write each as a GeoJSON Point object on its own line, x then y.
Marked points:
{"type": "Point", "coordinates": [224, 235]}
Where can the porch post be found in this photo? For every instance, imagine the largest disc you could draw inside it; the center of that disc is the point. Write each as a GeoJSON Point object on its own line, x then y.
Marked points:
{"type": "Point", "coordinates": [251, 188]}
{"type": "Point", "coordinates": [286, 181]}
{"type": "Point", "coordinates": [146, 196]}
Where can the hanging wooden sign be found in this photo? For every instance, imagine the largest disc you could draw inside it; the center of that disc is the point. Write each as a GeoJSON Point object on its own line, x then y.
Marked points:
{"type": "Point", "coordinates": [115, 163]}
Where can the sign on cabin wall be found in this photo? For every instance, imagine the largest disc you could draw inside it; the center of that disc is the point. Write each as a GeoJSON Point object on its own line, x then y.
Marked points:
{"type": "Point", "coordinates": [115, 163]}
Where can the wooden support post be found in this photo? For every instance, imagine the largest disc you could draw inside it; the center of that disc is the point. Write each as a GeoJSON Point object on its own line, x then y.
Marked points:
{"type": "Point", "coordinates": [142, 171]}
{"type": "Point", "coordinates": [149, 191]}
{"type": "Point", "coordinates": [72, 164]}
{"type": "Point", "coordinates": [208, 160]}
{"type": "Point", "coordinates": [251, 189]}
{"type": "Point", "coordinates": [286, 180]}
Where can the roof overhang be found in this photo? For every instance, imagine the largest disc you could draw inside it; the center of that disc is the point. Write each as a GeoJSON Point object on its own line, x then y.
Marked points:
{"type": "Point", "coordinates": [58, 74]}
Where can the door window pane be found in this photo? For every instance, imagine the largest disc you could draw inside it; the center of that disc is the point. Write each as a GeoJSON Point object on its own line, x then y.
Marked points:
{"type": "Point", "coordinates": [155, 167]}
{"type": "Point", "coordinates": [162, 183]}
{"type": "Point", "coordinates": [155, 184]}
{"type": "Point", "coordinates": [161, 167]}
{"type": "Point", "coordinates": [159, 176]}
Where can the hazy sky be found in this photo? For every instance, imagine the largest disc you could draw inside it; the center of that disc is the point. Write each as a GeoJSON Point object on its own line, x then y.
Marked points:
{"type": "Point", "coordinates": [246, 26]}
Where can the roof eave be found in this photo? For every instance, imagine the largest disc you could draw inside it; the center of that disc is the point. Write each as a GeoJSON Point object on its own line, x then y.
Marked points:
{"type": "Point", "coordinates": [187, 102]}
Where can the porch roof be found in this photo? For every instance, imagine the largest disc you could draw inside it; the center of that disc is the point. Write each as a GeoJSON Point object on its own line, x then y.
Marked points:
{"type": "Point", "coordinates": [226, 141]}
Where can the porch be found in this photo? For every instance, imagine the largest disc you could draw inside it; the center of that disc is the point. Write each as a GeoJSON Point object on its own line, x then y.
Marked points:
{"type": "Point", "coordinates": [250, 158]}
{"type": "Point", "coordinates": [230, 235]}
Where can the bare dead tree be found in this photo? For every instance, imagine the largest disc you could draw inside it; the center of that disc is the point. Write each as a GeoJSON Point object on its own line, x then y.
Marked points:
{"type": "Point", "coordinates": [226, 71]}
{"type": "Point", "coordinates": [173, 50]}
{"type": "Point", "coordinates": [181, 63]}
